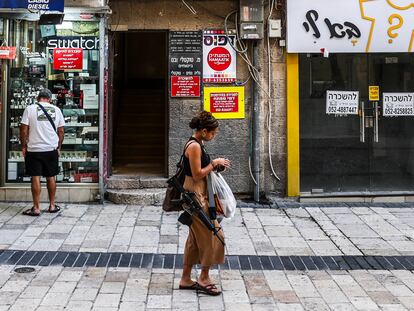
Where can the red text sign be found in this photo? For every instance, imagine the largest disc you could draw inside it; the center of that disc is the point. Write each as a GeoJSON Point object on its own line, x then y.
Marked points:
{"type": "Point", "coordinates": [182, 86]}
{"type": "Point", "coordinates": [224, 102]}
{"type": "Point", "coordinates": [7, 52]}
{"type": "Point", "coordinates": [67, 59]}
{"type": "Point", "coordinates": [219, 59]}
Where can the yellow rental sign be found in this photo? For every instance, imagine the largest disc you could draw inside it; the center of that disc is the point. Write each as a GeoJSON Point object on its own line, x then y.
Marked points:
{"type": "Point", "coordinates": [225, 102]}
{"type": "Point", "coordinates": [374, 93]}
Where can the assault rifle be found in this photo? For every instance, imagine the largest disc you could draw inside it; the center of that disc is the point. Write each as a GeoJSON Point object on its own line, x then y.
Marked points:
{"type": "Point", "coordinates": [192, 206]}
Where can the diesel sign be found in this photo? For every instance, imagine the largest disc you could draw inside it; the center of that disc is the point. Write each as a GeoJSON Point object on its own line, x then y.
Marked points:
{"type": "Point", "coordinates": [36, 5]}
{"type": "Point", "coordinates": [86, 43]}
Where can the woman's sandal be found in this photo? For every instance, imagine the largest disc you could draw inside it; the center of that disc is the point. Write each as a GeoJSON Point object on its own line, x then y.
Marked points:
{"type": "Point", "coordinates": [31, 212]}
{"type": "Point", "coordinates": [209, 289]}
{"type": "Point", "coordinates": [194, 286]}
{"type": "Point", "coordinates": [55, 210]}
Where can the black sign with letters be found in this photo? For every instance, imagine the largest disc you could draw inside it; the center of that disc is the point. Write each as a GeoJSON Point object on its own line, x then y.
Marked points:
{"type": "Point", "coordinates": [186, 53]}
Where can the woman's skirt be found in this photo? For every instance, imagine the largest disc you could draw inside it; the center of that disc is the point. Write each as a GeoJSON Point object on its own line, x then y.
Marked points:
{"type": "Point", "coordinates": [202, 246]}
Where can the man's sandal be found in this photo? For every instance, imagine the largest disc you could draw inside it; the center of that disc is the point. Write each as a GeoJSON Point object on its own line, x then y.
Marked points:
{"type": "Point", "coordinates": [209, 289]}
{"type": "Point", "coordinates": [31, 212]}
{"type": "Point", "coordinates": [55, 210]}
{"type": "Point", "coordinates": [194, 286]}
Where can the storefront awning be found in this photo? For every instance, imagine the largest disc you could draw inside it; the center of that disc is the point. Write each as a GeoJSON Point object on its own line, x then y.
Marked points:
{"type": "Point", "coordinates": [70, 12]}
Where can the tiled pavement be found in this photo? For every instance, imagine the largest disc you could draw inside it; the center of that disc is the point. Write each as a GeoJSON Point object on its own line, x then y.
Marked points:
{"type": "Point", "coordinates": [367, 250]}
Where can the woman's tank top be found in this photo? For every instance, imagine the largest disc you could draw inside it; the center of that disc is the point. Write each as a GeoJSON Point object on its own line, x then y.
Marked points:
{"type": "Point", "coordinates": [205, 158]}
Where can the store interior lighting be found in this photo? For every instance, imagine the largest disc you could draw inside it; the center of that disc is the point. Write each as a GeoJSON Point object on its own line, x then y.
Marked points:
{"type": "Point", "coordinates": [65, 25]}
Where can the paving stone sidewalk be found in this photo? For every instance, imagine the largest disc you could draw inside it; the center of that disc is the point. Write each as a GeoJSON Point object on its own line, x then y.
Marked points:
{"type": "Point", "coordinates": [104, 289]}
{"type": "Point", "coordinates": [330, 231]}
{"type": "Point", "coordinates": [384, 233]}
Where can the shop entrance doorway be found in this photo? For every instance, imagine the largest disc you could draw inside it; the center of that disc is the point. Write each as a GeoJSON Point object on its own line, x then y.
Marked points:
{"type": "Point", "coordinates": [139, 103]}
{"type": "Point", "coordinates": [366, 152]}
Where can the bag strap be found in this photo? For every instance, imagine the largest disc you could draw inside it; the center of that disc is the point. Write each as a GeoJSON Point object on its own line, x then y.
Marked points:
{"type": "Point", "coordinates": [211, 201]}
{"type": "Point", "coordinates": [47, 116]}
{"type": "Point", "coordinates": [180, 163]}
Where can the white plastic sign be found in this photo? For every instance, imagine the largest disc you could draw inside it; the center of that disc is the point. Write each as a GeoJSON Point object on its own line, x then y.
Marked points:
{"type": "Point", "coordinates": [350, 26]}
{"type": "Point", "coordinates": [219, 57]}
{"type": "Point", "coordinates": [342, 102]}
{"type": "Point", "coordinates": [397, 104]}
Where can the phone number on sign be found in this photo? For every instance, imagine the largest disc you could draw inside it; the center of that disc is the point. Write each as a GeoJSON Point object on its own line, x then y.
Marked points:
{"type": "Point", "coordinates": [398, 111]}
{"type": "Point", "coordinates": [342, 109]}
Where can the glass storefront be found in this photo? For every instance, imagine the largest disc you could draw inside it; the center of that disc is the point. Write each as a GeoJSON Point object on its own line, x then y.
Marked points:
{"type": "Point", "coordinates": [64, 58]}
{"type": "Point", "coordinates": [363, 152]}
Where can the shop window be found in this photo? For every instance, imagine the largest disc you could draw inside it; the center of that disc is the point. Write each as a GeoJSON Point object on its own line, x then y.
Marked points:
{"type": "Point", "coordinates": [65, 59]}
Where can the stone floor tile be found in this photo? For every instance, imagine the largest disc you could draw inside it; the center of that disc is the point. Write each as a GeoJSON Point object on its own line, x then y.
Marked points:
{"type": "Point", "coordinates": [383, 298]}
{"type": "Point", "coordinates": [14, 286]}
{"type": "Point", "coordinates": [35, 292]}
{"type": "Point", "coordinates": [68, 275]}
{"type": "Point", "coordinates": [392, 307]}
{"type": "Point", "coordinates": [290, 307]}
{"type": "Point", "coordinates": [79, 305]}
{"type": "Point", "coordinates": [84, 294]}
{"type": "Point", "coordinates": [364, 303]}
{"type": "Point", "coordinates": [49, 308]}
{"type": "Point", "coordinates": [112, 288]}
{"type": "Point", "coordinates": [330, 292]}
{"type": "Point", "coordinates": [55, 299]}
{"type": "Point", "coordinates": [303, 286]}
{"type": "Point", "coordinates": [129, 306]}
{"type": "Point", "coordinates": [107, 300]}
{"type": "Point", "coordinates": [25, 304]}
{"type": "Point", "coordinates": [314, 304]}
{"type": "Point", "coordinates": [8, 298]}
{"type": "Point", "coordinates": [349, 286]}
{"type": "Point", "coordinates": [63, 287]}
{"type": "Point", "coordinates": [285, 296]}
{"type": "Point", "coordinates": [239, 307]}
{"type": "Point", "coordinates": [159, 301]}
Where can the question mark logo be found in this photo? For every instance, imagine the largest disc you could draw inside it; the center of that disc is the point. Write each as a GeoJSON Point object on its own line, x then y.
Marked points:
{"type": "Point", "coordinates": [393, 28]}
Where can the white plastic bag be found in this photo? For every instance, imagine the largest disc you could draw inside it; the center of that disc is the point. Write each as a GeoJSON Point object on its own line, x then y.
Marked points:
{"type": "Point", "coordinates": [223, 192]}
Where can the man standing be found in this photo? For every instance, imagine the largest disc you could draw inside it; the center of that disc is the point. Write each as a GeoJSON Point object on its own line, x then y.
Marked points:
{"type": "Point", "coordinates": [41, 147]}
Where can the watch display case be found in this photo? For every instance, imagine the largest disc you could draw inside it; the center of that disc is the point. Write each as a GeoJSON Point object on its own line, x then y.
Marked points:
{"type": "Point", "coordinates": [75, 91]}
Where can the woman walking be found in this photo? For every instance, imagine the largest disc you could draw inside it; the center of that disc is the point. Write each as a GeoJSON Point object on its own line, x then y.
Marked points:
{"type": "Point", "coordinates": [202, 247]}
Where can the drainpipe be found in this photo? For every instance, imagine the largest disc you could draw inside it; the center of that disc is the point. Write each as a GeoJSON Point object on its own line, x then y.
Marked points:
{"type": "Point", "coordinates": [256, 126]}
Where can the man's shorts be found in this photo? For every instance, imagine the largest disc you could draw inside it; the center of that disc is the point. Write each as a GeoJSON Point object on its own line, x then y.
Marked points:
{"type": "Point", "coordinates": [44, 164]}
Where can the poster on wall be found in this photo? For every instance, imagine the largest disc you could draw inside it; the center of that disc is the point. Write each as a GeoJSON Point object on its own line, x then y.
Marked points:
{"type": "Point", "coordinates": [68, 59]}
{"type": "Point", "coordinates": [398, 104]}
{"type": "Point", "coordinates": [34, 5]}
{"type": "Point", "coordinates": [182, 86]}
{"type": "Point", "coordinates": [368, 26]}
{"type": "Point", "coordinates": [219, 57]}
{"type": "Point", "coordinates": [342, 102]}
{"type": "Point", "coordinates": [7, 52]}
{"type": "Point", "coordinates": [185, 63]}
{"type": "Point", "coordinates": [225, 102]}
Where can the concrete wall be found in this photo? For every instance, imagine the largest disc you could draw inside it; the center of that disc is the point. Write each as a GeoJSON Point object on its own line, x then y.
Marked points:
{"type": "Point", "coordinates": [234, 138]}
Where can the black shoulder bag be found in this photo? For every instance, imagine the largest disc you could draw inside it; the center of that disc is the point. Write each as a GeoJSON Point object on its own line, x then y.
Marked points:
{"type": "Point", "coordinates": [172, 195]}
